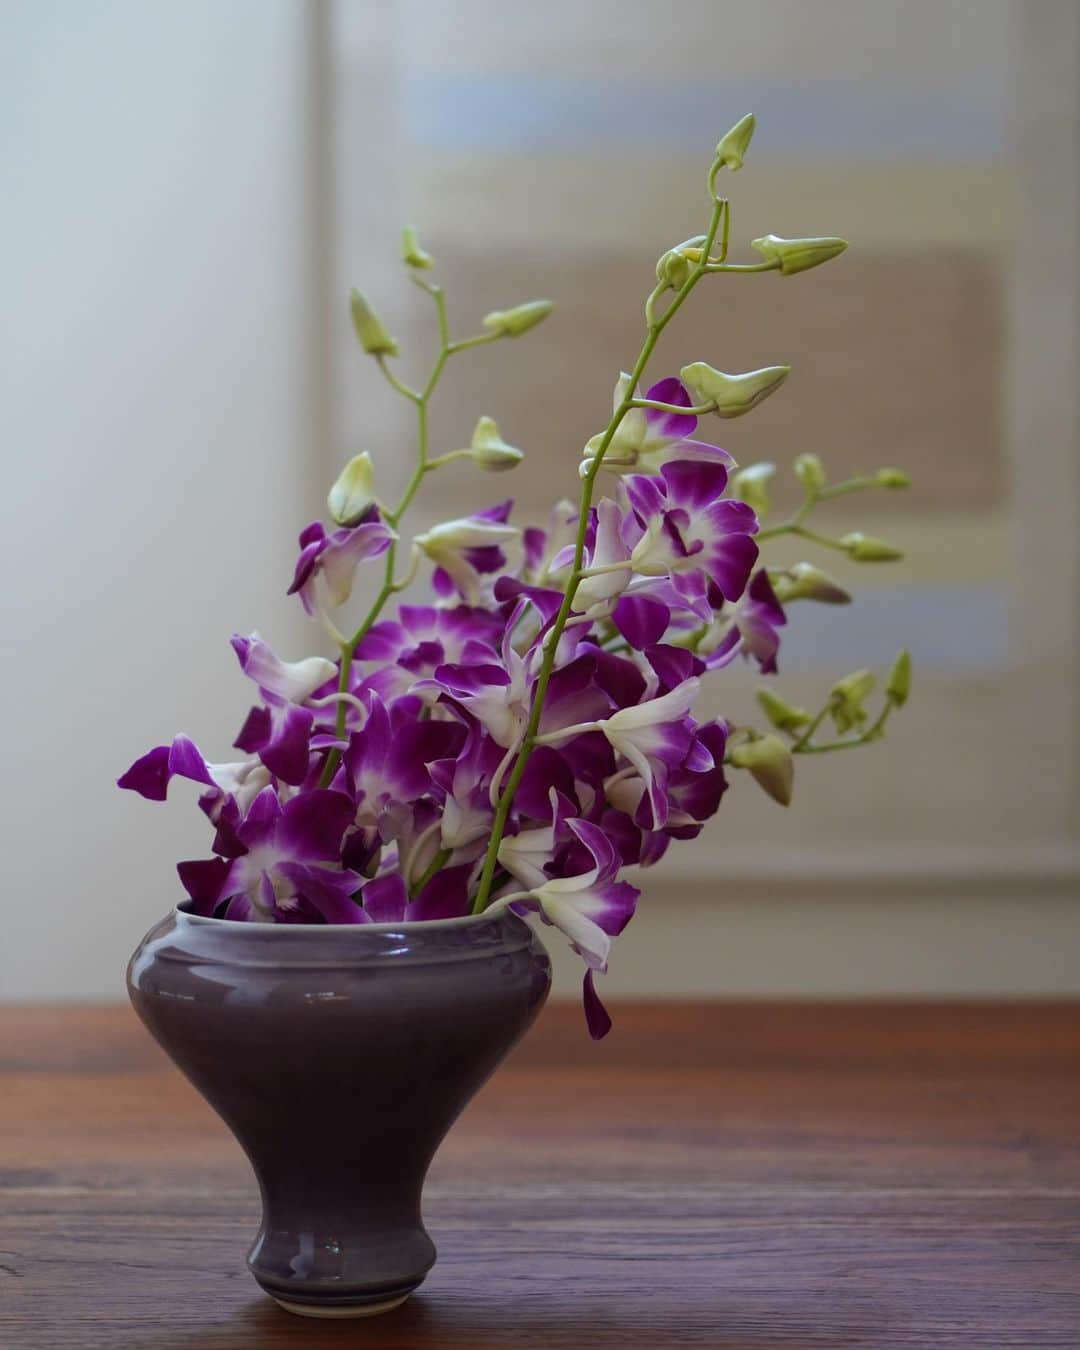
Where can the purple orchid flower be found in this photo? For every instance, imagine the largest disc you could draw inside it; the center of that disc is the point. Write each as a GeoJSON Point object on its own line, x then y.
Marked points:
{"type": "Point", "coordinates": [280, 733]}
{"type": "Point", "coordinates": [750, 626]}
{"type": "Point", "coordinates": [686, 526]}
{"type": "Point", "coordinates": [647, 438]}
{"type": "Point", "coordinates": [327, 564]}
{"type": "Point", "coordinates": [289, 863]}
{"type": "Point", "coordinates": [589, 908]}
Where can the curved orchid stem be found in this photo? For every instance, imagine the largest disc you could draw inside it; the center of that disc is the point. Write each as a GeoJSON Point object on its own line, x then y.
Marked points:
{"type": "Point", "coordinates": [551, 642]}
{"type": "Point", "coordinates": [421, 399]}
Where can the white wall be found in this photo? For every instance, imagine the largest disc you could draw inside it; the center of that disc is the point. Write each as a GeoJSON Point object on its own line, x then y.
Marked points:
{"type": "Point", "coordinates": [190, 186]}
{"type": "Point", "coordinates": [157, 405]}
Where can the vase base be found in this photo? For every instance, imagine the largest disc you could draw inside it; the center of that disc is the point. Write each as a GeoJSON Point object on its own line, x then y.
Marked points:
{"type": "Point", "coordinates": [341, 1310]}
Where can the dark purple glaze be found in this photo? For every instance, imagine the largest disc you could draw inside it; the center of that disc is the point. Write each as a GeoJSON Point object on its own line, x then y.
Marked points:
{"type": "Point", "coordinates": [339, 1056]}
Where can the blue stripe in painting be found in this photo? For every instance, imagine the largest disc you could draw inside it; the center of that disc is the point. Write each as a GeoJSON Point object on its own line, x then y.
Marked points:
{"type": "Point", "coordinates": [950, 629]}
{"type": "Point", "coordinates": [551, 112]}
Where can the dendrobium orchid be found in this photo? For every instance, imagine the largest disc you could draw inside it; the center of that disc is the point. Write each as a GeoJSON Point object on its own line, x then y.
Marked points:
{"type": "Point", "coordinates": [528, 735]}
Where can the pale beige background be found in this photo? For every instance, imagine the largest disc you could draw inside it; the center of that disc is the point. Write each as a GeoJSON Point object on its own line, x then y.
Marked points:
{"type": "Point", "coordinates": [196, 186]}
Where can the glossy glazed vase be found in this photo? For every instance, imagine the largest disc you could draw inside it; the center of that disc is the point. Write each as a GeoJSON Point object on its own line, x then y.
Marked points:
{"type": "Point", "coordinates": [339, 1056]}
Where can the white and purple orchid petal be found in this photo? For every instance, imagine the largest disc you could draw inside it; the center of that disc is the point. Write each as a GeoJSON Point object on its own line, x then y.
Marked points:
{"type": "Point", "coordinates": [698, 451]}
{"type": "Point", "coordinates": [729, 562]}
{"type": "Point", "coordinates": [313, 541]}
{"type": "Point", "coordinates": [328, 890]}
{"type": "Point", "coordinates": [668, 708]}
{"type": "Point", "coordinates": [673, 665]}
{"type": "Point", "coordinates": [281, 681]}
{"type": "Point", "coordinates": [726, 649]}
{"type": "Point", "coordinates": [385, 898]}
{"type": "Point", "coordinates": [661, 428]}
{"type": "Point", "coordinates": [695, 484]}
{"type": "Point", "coordinates": [259, 827]}
{"type": "Point", "coordinates": [586, 936]}
{"type": "Point", "coordinates": [606, 549]}
{"type": "Point", "coordinates": [527, 854]}
{"type": "Point", "coordinates": [346, 550]}
{"type": "Point", "coordinates": [312, 824]}
{"type": "Point", "coordinates": [597, 1018]}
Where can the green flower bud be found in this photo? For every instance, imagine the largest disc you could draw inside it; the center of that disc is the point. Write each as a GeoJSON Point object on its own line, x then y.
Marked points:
{"type": "Point", "coordinates": [892, 478]}
{"type": "Point", "coordinates": [810, 472]}
{"type": "Point", "coordinates": [804, 581]}
{"type": "Point", "coordinates": [751, 485]}
{"type": "Point", "coordinates": [865, 548]}
{"type": "Point", "coordinates": [514, 322]}
{"type": "Point", "coordinates": [352, 494]}
{"type": "Point", "coordinates": [769, 761]}
{"type": "Point", "coordinates": [898, 685]}
{"type": "Point", "coordinates": [411, 252]}
{"type": "Point", "coordinates": [673, 267]}
{"type": "Point", "coordinates": [374, 338]}
{"type": "Point", "coordinates": [732, 148]}
{"type": "Point", "coordinates": [732, 395]}
{"type": "Point", "coordinates": [489, 450]}
{"type": "Point", "coordinates": [783, 715]}
{"type": "Point", "coordinates": [798, 255]}
{"type": "Point", "coordinates": [846, 699]}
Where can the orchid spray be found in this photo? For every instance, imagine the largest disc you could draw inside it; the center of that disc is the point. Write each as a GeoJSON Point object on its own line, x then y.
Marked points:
{"type": "Point", "coordinates": [529, 736]}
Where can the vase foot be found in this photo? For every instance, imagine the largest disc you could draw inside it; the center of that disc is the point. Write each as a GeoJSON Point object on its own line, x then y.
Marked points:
{"type": "Point", "coordinates": [341, 1310]}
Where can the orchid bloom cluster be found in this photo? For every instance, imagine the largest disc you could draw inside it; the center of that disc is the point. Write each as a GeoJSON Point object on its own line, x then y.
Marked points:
{"type": "Point", "coordinates": [529, 735]}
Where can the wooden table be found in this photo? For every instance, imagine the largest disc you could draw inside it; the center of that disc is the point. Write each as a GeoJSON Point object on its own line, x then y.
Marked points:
{"type": "Point", "coordinates": [757, 1176]}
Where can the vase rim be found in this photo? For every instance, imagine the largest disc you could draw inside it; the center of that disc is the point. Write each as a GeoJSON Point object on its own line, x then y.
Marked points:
{"type": "Point", "coordinates": [184, 915]}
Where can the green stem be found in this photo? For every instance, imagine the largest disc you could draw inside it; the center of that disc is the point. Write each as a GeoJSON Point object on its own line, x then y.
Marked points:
{"type": "Point", "coordinates": [389, 587]}
{"type": "Point", "coordinates": [697, 411]}
{"type": "Point", "coordinates": [436, 865]}
{"type": "Point", "coordinates": [506, 799]}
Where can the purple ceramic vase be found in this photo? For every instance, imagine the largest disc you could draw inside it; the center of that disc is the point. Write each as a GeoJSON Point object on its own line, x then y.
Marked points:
{"type": "Point", "coordinates": [339, 1056]}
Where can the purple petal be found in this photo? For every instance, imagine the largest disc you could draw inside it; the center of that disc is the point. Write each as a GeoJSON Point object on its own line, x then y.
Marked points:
{"type": "Point", "coordinates": [329, 891]}
{"type": "Point", "coordinates": [694, 483]}
{"type": "Point", "coordinates": [203, 880]}
{"type": "Point", "coordinates": [385, 899]}
{"type": "Point", "coordinates": [641, 621]}
{"type": "Point", "coordinates": [596, 1015]}
{"type": "Point", "coordinates": [445, 896]}
{"type": "Point", "coordinates": [149, 775]}
{"type": "Point", "coordinates": [664, 426]}
{"type": "Point", "coordinates": [312, 824]}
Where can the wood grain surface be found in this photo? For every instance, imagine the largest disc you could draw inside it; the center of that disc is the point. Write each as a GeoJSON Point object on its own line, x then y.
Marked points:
{"type": "Point", "coordinates": [737, 1175]}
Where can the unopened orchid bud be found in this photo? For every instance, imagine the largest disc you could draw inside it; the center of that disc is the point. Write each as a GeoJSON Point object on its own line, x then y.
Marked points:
{"type": "Point", "coordinates": [732, 395]}
{"type": "Point", "coordinates": [467, 533]}
{"type": "Point", "coordinates": [846, 699]}
{"type": "Point", "coordinates": [514, 322]}
{"type": "Point", "coordinates": [733, 147]}
{"type": "Point", "coordinates": [411, 252]}
{"type": "Point", "coordinates": [898, 685]}
{"type": "Point", "coordinates": [810, 472]}
{"type": "Point", "coordinates": [673, 267]}
{"type": "Point", "coordinates": [751, 485]}
{"type": "Point", "coordinates": [353, 493]}
{"type": "Point", "coordinates": [374, 338]}
{"type": "Point", "coordinates": [489, 450]}
{"type": "Point", "coordinates": [804, 581]}
{"type": "Point", "coordinates": [798, 255]}
{"type": "Point", "coordinates": [865, 548]}
{"type": "Point", "coordinates": [782, 714]}
{"type": "Point", "coordinates": [769, 761]}
{"type": "Point", "coordinates": [892, 478]}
